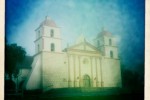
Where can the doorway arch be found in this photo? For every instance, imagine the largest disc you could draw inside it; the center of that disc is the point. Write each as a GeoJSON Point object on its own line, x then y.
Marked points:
{"type": "Point", "coordinates": [86, 81]}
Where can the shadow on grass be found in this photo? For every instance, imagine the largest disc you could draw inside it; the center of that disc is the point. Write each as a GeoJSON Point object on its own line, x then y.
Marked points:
{"type": "Point", "coordinates": [77, 94]}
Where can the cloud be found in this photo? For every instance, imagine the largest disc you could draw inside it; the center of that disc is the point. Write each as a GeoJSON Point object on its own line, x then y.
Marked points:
{"type": "Point", "coordinates": [88, 17]}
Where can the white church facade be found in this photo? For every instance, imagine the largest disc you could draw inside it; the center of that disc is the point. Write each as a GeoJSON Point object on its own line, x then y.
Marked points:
{"type": "Point", "coordinates": [80, 65]}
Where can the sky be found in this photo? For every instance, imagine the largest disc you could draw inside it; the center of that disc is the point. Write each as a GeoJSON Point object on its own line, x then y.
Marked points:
{"type": "Point", "coordinates": [125, 19]}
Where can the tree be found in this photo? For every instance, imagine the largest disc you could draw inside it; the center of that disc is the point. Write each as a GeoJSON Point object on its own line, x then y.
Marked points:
{"type": "Point", "coordinates": [13, 55]}
{"type": "Point", "coordinates": [134, 79]}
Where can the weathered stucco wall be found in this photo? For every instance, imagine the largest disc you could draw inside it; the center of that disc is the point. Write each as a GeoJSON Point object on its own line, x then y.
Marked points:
{"type": "Point", "coordinates": [54, 70]}
{"type": "Point", "coordinates": [81, 65]}
{"type": "Point", "coordinates": [34, 81]}
{"type": "Point", "coordinates": [111, 72]}
{"type": "Point", "coordinates": [67, 69]}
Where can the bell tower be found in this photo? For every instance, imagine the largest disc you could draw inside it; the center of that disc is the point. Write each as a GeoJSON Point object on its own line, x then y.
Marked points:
{"type": "Point", "coordinates": [48, 37]}
{"type": "Point", "coordinates": [105, 42]}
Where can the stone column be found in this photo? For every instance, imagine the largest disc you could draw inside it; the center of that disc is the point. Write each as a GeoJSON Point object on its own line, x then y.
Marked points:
{"type": "Point", "coordinates": [91, 71]}
{"type": "Point", "coordinates": [96, 73]}
{"type": "Point", "coordinates": [74, 65]}
{"type": "Point", "coordinates": [69, 81]}
{"type": "Point", "coordinates": [101, 72]}
{"type": "Point", "coordinates": [79, 72]}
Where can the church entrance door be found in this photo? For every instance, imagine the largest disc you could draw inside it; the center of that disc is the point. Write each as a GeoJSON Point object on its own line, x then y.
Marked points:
{"type": "Point", "coordinates": [86, 81]}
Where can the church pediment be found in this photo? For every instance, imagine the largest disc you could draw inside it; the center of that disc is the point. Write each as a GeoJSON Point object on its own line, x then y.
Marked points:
{"type": "Point", "coordinates": [84, 46]}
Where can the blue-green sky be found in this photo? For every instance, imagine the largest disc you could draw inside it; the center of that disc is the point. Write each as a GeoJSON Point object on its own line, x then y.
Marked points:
{"type": "Point", "coordinates": [123, 18]}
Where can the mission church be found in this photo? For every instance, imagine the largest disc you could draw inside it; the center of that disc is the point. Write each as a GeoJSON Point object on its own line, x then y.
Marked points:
{"type": "Point", "coordinates": [79, 65]}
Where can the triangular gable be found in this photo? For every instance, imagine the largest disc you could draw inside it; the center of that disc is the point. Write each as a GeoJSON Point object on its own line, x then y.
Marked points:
{"type": "Point", "coordinates": [84, 46]}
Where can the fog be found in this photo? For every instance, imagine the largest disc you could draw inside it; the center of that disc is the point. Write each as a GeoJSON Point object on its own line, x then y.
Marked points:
{"type": "Point", "coordinates": [123, 18]}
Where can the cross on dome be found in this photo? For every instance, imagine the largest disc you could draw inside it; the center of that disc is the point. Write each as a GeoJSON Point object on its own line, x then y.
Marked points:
{"type": "Point", "coordinates": [48, 22]}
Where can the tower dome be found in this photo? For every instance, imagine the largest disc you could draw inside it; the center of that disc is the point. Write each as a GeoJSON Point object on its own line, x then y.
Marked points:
{"type": "Point", "coordinates": [104, 32]}
{"type": "Point", "coordinates": [48, 22]}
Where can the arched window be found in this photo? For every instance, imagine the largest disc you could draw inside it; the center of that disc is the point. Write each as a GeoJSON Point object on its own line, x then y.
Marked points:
{"type": "Point", "coordinates": [52, 33]}
{"type": "Point", "coordinates": [111, 54]}
{"type": "Point", "coordinates": [52, 47]}
{"type": "Point", "coordinates": [110, 42]}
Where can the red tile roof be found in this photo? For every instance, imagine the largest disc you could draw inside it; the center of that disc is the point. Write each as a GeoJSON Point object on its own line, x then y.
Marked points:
{"type": "Point", "coordinates": [104, 33]}
{"type": "Point", "coordinates": [49, 22]}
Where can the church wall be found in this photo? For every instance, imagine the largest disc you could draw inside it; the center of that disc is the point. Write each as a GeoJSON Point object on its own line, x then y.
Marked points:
{"type": "Point", "coordinates": [88, 48]}
{"type": "Point", "coordinates": [77, 71]}
{"type": "Point", "coordinates": [85, 67]}
{"type": "Point", "coordinates": [55, 70]}
{"type": "Point", "coordinates": [96, 70]}
{"type": "Point", "coordinates": [106, 40]}
{"type": "Point", "coordinates": [101, 42]}
{"type": "Point", "coordinates": [99, 72]}
{"type": "Point", "coordinates": [85, 53]}
{"type": "Point", "coordinates": [34, 81]}
{"type": "Point", "coordinates": [74, 67]}
{"type": "Point", "coordinates": [39, 42]}
{"type": "Point", "coordinates": [93, 71]}
{"type": "Point", "coordinates": [39, 32]}
{"type": "Point", "coordinates": [48, 39]}
{"type": "Point", "coordinates": [81, 47]}
{"type": "Point", "coordinates": [47, 44]}
{"type": "Point", "coordinates": [108, 49]}
{"type": "Point", "coordinates": [47, 31]}
{"type": "Point", "coordinates": [85, 64]}
{"type": "Point", "coordinates": [71, 71]}
{"type": "Point", "coordinates": [111, 72]}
